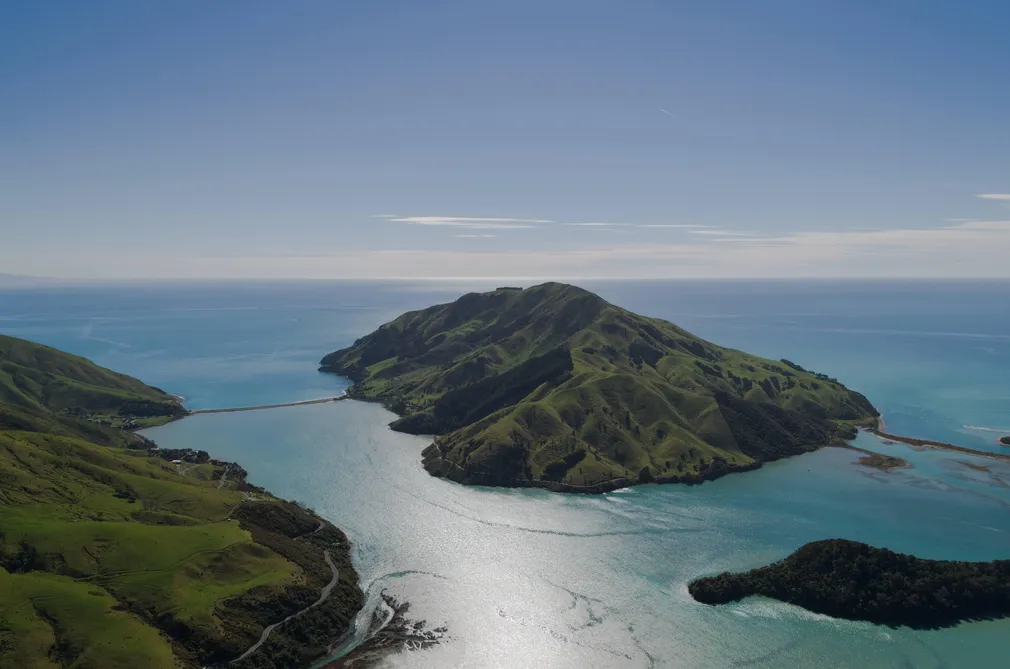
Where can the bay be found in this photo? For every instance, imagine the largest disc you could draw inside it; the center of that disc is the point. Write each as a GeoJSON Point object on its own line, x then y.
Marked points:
{"type": "Point", "coordinates": [525, 578]}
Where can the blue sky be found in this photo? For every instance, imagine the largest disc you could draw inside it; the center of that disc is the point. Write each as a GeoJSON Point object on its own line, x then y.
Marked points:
{"type": "Point", "coordinates": [548, 138]}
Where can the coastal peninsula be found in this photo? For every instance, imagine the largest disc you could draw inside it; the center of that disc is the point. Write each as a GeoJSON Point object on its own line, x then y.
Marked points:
{"type": "Point", "coordinates": [1004, 441]}
{"type": "Point", "coordinates": [921, 444]}
{"type": "Point", "coordinates": [847, 579]}
{"type": "Point", "coordinates": [117, 554]}
{"type": "Point", "coordinates": [554, 387]}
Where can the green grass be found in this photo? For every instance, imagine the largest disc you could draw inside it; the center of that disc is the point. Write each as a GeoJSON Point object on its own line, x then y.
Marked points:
{"type": "Point", "coordinates": [136, 529]}
{"type": "Point", "coordinates": [642, 399]}
{"type": "Point", "coordinates": [112, 558]}
{"type": "Point", "coordinates": [40, 377]}
{"type": "Point", "coordinates": [74, 513]}
{"type": "Point", "coordinates": [74, 479]}
{"type": "Point", "coordinates": [50, 622]}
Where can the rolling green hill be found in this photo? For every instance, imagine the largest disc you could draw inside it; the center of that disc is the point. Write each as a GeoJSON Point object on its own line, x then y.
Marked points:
{"type": "Point", "coordinates": [40, 386]}
{"type": "Point", "coordinates": [113, 557]}
{"type": "Point", "coordinates": [552, 386]}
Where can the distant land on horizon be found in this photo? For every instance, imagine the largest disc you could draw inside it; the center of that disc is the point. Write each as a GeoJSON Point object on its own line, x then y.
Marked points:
{"type": "Point", "coordinates": [8, 280]}
{"type": "Point", "coordinates": [15, 280]}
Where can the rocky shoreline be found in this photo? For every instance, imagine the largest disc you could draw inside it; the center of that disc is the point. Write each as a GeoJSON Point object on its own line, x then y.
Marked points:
{"type": "Point", "coordinates": [443, 468]}
{"type": "Point", "coordinates": [390, 636]}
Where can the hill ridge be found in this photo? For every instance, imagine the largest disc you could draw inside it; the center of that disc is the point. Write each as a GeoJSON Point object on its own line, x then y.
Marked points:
{"type": "Point", "coordinates": [553, 386]}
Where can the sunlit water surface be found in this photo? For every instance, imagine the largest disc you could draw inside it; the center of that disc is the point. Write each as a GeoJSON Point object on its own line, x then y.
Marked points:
{"type": "Point", "coordinates": [526, 578]}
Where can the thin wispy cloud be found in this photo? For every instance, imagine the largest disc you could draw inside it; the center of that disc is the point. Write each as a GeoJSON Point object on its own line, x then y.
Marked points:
{"type": "Point", "coordinates": [675, 225]}
{"type": "Point", "coordinates": [680, 226]}
{"type": "Point", "coordinates": [981, 237]}
{"type": "Point", "coordinates": [981, 225]}
{"type": "Point", "coordinates": [976, 249]}
{"type": "Point", "coordinates": [470, 222]}
{"type": "Point", "coordinates": [724, 233]}
{"type": "Point", "coordinates": [509, 223]}
{"type": "Point", "coordinates": [482, 226]}
{"type": "Point", "coordinates": [995, 196]}
{"type": "Point", "coordinates": [667, 113]}
{"type": "Point", "coordinates": [437, 220]}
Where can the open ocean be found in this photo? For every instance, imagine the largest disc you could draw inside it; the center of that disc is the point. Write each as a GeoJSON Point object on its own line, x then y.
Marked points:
{"type": "Point", "coordinates": [526, 578]}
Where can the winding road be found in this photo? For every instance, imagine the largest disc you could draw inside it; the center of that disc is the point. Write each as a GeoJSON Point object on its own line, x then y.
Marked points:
{"type": "Point", "coordinates": [327, 589]}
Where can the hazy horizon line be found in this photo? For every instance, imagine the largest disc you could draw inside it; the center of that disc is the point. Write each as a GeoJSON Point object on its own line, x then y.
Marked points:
{"type": "Point", "coordinates": [40, 280]}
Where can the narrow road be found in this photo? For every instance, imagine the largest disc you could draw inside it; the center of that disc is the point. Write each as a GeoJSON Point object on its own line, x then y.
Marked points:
{"type": "Point", "coordinates": [322, 598]}
{"type": "Point", "coordinates": [321, 400]}
{"type": "Point", "coordinates": [224, 477]}
{"type": "Point", "coordinates": [322, 524]}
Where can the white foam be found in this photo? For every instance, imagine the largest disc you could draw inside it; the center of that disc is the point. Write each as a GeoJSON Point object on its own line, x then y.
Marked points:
{"type": "Point", "coordinates": [977, 428]}
{"type": "Point", "coordinates": [772, 609]}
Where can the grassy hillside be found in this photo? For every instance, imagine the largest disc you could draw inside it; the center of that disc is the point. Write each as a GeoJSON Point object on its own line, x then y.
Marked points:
{"type": "Point", "coordinates": [36, 380]}
{"type": "Point", "coordinates": [555, 387]}
{"type": "Point", "coordinates": [113, 557]}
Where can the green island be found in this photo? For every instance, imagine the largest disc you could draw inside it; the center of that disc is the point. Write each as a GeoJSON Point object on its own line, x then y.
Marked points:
{"type": "Point", "coordinates": [1005, 441]}
{"type": "Point", "coordinates": [116, 554]}
{"type": "Point", "coordinates": [554, 387]}
{"type": "Point", "coordinates": [847, 579]}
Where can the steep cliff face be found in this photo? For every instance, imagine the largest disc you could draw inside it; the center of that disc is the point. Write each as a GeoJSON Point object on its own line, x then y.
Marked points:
{"type": "Point", "coordinates": [555, 387]}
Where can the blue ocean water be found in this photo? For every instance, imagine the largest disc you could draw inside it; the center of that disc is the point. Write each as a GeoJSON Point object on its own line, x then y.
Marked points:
{"type": "Point", "coordinates": [526, 578]}
{"type": "Point", "coordinates": [933, 356]}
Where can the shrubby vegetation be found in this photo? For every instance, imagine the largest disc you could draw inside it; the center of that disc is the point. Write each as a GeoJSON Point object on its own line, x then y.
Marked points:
{"type": "Point", "coordinates": [847, 579]}
{"type": "Point", "coordinates": [818, 375]}
{"type": "Point", "coordinates": [552, 386]}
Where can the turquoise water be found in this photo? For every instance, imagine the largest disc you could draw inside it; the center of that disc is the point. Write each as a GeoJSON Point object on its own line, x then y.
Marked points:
{"type": "Point", "coordinates": [530, 579]}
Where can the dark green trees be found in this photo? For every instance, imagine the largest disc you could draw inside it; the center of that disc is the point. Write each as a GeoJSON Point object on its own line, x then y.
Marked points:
{"type": "Point", "coordinates": [847, 579]}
